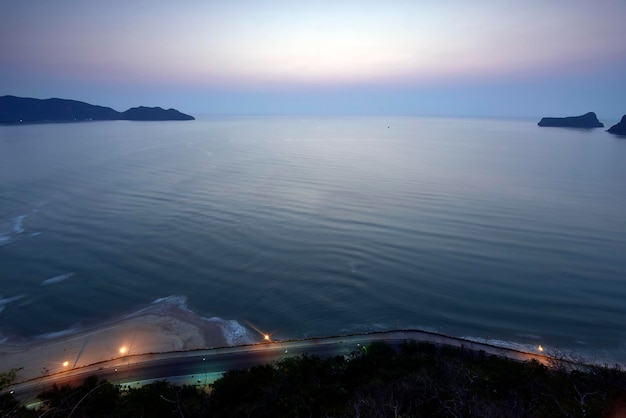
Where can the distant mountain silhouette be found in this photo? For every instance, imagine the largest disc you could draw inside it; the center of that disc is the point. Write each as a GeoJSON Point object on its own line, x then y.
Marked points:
{"type": "Point", "coordinates": [26, 110]}
{"type": "Point", "coordinates": [153, 113]}
{"type": "Point", "coordinates": [619, 128]}
{"type": "Point", "coordinates": [588, 120]}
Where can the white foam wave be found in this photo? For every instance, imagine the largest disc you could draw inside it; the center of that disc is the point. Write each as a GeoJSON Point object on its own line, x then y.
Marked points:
{"type": "Point", "coordinates": [526, 348]}
{"type": "Point", "coordinates": [175, 300]}
{"type": "Point", "coordinates": [234, 332]}
{"type": "Point", "coordinates": [6, 301]}
{"type": "Point", "coordinates": [56, 334]}
{"type": "Point", "coordinates": [162, 305]}
{"type": "Point", "coordinates": [15, 226]}
{"type": "Point", "coordinates": [57, 279]}
{"type": "Point", "coordinates": [18, 224]}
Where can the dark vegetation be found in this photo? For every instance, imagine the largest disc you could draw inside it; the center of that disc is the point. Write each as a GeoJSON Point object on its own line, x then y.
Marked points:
{"type": "Point", "coordinates": [619, 128]}
{"type": "Point", "coordinates": [587, 121]}
{"type": "Point", "coordinates": [17, 110]}
{"type": "Point", "coordinates": [415, 380]}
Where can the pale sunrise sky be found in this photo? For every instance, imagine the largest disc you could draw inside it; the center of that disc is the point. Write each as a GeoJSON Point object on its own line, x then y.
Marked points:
{"type": "Point", "coordinates": [449, 57]}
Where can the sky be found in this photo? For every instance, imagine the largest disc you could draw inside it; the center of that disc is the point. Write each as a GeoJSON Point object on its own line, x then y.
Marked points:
{"type": "Point", "coordinates": [483, 58]}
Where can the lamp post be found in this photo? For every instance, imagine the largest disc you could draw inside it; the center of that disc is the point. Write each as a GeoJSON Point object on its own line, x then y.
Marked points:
{"type": "Point", "coordinates": [205, 373]}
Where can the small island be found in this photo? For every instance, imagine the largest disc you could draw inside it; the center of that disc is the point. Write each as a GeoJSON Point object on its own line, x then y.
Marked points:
{"type": "Point", "coordinates": [16, 110]}
{"type": "Point", "coordinates": [619, 128]}
{"type": "Point", "coordinates": [587, 121]}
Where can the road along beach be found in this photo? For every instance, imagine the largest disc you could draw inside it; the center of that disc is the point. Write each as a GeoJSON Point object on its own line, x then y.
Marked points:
{"type": "Point", "coordinates": [149, 331]}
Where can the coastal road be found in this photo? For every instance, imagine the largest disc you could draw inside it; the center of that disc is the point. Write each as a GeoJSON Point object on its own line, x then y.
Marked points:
{"type": "Point", "coordinates": [201, 367]}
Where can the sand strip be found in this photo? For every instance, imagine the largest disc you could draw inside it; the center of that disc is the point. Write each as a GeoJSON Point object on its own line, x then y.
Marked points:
{"type": "Point", "coordinates": [145, 332]}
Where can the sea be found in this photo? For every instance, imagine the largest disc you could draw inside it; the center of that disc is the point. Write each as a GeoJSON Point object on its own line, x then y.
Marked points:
{"type": "Point", "coordinates": [495, 230]}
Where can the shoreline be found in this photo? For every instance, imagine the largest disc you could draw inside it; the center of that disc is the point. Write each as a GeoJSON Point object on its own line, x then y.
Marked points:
{"type": "Point", "coordinates": [167, 327]}
{"type": "Point", "coordinates": [177, 331]}
{"type": "Point", "coordinates": [147, 331]}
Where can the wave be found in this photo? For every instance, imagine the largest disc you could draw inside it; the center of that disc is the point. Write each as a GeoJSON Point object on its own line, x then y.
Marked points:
{"type": "Point", "coordinates": [511, 345]}
{"type": "Point", "coordinates": [57, 279]}
{"type": "Point", "coordinates": [178, 301]}
{"type": "Point", "coordinates": [163, 306]}
{"type": "Point", "coordinates": [584, 355]}
{"type": "Point", "coordinates": [11, 227]}
{"type": "Point", "coordinates": [18, 225]}
{"type": "Point", "coordinates": [234, 333]}
{"type": "Point", "coordinates": [6, 301]}
{"type": "Point", "coordinates": [3, 303]}
{"type": "Point", "coordinates": [58, 334]}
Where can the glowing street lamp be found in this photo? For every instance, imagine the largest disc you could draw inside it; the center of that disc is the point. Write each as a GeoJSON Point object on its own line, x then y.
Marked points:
{"type": "Point", "coordinates": [266, 337]}
{"type": "Point", "coordinates": [123, 350]}
{"type": "Point", "coordinates": [66, 363]}
{"type": "Point", "coordinates": [540, 348]}
{"type": "Point", "coordinates": [205, 373]}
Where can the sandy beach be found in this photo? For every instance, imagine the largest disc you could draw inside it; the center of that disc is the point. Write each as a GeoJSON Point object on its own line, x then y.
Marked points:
{"type": "Point", "coordinates": [148, 331]}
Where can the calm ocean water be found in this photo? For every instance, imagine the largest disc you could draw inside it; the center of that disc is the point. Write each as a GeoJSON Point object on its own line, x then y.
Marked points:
{"type": "Point", "coordinates": [490, 229]}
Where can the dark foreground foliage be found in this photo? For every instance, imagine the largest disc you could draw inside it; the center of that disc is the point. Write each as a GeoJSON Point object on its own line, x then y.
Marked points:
{"type": "Point", "coordinates": [416, 380]}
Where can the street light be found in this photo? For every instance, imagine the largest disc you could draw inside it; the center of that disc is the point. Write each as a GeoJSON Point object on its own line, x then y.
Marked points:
{"type": "Point", "coordinates": [123, 350]}
{"type": "Point", "coordinates": [66, 363]}
{"type": "Point", "coordinates": [205, 373]}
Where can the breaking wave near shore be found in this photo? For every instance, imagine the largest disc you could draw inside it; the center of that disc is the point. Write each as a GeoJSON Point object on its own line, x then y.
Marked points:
{"type": "Point", "coordinates": [170, 314]}
{"type": "Point", "coordinates": [169, 322]}
{"type": "Point", "coordinates": [233, 332]}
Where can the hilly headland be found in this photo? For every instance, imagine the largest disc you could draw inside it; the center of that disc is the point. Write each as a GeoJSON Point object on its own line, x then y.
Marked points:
{"type": "Point", "coordinates": [587, 121]}
{"type": "Point", "coordinates": [16, 110]}
{"type": "Point", "coordinates": [619, 128]}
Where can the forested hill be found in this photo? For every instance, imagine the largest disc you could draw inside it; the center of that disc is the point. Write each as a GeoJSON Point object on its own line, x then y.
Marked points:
{"type": "Point", "coordinates": [26, 110]}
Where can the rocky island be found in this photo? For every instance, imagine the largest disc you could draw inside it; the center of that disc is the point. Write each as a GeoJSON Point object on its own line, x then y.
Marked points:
{"type": "Point", "coordinates": [14, 110]}
{"type": "Point", "coordinates": [619, 128]}
{"type": "Point", "coordinates": [587, 121]}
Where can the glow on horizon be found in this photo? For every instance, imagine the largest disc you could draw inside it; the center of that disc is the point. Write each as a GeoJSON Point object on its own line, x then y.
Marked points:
{"type": "Point", "coordinates": [313, 43]}
{"type": "Point", "coordinates": [249, 56]}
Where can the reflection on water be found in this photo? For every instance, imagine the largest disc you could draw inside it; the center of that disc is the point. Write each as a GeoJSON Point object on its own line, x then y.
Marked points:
{"type": "Point", "coordinates": [494, 229]}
